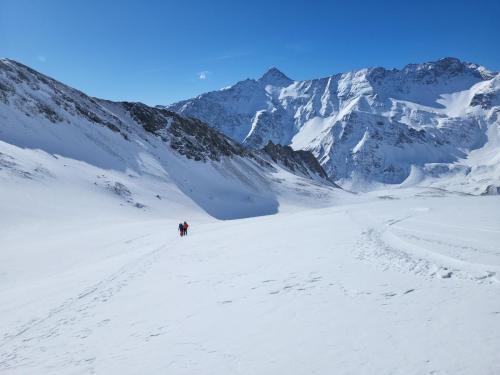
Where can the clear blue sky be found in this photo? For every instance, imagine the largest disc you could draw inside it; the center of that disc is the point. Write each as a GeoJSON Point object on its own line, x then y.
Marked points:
{"type": "Point", "coordinates": [163, 51]}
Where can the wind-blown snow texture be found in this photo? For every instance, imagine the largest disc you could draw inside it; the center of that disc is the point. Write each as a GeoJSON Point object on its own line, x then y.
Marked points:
{"type": "Point", "coordinates": [372, 125]}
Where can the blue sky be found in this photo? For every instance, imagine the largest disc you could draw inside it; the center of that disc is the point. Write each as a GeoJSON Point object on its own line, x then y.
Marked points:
{"type": "Point", "coordinates": [159, 52]}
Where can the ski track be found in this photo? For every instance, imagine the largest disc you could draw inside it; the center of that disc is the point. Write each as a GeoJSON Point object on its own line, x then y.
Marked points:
{"type": "Point", "coordinates": [377, 244]}
{"type": "Point", "coordinates": [62, 318]}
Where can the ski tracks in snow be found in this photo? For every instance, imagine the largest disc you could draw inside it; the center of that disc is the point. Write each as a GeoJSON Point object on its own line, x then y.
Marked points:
{"type": "Point", "coordinates": [16, 346]}
{"type": "Point", "coordinates": [392, 245]}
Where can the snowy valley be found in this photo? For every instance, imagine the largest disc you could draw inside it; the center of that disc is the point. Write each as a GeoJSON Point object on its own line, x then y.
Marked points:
{"type": "Point", "coordinates": [282, 271]}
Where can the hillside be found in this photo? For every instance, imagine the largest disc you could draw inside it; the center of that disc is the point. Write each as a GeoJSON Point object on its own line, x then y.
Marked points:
{"type": "Point", "coordinates": [51, 133]}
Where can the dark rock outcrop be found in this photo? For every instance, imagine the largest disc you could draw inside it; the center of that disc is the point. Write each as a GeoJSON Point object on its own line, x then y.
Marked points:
{"type": "Point", "coordinates": [300, 161]}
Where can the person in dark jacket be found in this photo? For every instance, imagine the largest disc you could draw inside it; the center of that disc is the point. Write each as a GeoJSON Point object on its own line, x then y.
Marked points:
{"type": "Point", "coordinates": [181, 229]}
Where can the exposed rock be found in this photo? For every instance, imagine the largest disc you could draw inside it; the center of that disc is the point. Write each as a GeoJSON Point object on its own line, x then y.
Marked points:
{"type": "Point", "coordinates": [198, 141]}
{"type": "Point", "coordinates": [300, 161]}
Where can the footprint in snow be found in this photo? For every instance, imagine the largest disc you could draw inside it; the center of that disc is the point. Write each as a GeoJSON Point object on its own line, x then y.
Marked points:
{"type": "Point", "coordinates": [446, 275]}
{"type": "Point", "coordinates": [389, 294]}
{"type": "Point", "coordinates": [103, 322]}
{"type": "Point", "coordinates": [315, 279]}
{"type": "Point", "coordinates": [488, 274]}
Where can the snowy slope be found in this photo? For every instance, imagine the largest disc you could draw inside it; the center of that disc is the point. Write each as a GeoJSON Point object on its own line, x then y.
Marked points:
{"type": "Point", "coordinates": [372, 125]}
{"type": "Point", "coordinates": [142, 155]}
{"type": "Point", "coordinates": [402, 283]}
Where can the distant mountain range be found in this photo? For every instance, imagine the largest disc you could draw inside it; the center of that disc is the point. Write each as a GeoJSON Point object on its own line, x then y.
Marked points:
{"type": "Point", "coordinates": [435, 123]}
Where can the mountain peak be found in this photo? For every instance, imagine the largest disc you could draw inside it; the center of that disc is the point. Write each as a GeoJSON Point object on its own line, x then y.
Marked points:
{"type": "Point", "coordinates": [449, 66]}
{"type": "Point", "coordinates": [275, 77]}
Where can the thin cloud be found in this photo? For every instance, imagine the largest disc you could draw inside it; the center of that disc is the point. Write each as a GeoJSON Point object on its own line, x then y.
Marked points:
{"type": "Point", "coordinates": [203, 75]}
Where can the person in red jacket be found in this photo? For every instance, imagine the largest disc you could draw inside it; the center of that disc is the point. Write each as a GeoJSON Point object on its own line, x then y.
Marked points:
{"type": "Point", "coordinates": [185, 227]}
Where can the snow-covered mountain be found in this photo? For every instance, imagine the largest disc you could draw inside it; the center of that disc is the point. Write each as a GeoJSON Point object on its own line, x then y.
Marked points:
{"type": "Point", "coordinates": [436, 121]}
{"type": "Point", "coordinates": [95, 279]}
{"type": "Point", "coordinates": [141, 154]}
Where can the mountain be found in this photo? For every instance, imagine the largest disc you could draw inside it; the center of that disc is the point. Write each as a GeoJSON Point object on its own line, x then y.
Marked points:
{"type": "Point", "coordinates": [435, 123]}
{"type": "Point", "coordinates": [52, 133]}
{"type": "Point", "coordinates": [95, 279]}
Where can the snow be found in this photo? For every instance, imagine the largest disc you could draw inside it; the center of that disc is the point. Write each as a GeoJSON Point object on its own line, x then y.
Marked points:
{"type": "Point", "coordinates": [398, 281]}
{"type": "Point", "coordinates": [140, 169]}
{"type": "Point", "coordinates": [279, 274]}
{"type": "Point", "coordinates": [456, 103]}
{"type": "Point", "coordinates": [361, 143]}
{"type": "Point", "coordinates": [423, 114]}
{"type": "Point", "coordinates": [310, 131]}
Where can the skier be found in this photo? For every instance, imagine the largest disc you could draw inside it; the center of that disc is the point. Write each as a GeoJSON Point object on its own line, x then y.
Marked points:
{"type": "Point", "coordinates": [185, 226]}
{"type": "Point", "coordinates": [181, 229]}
